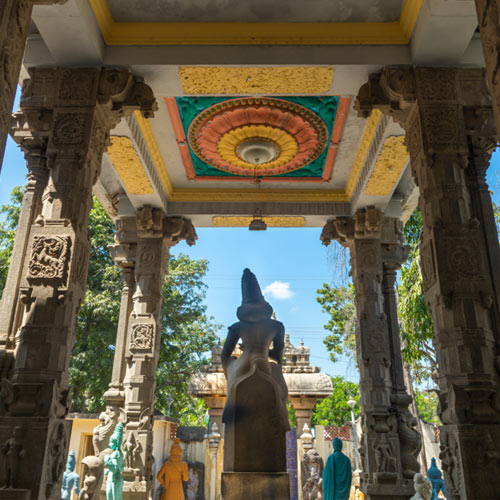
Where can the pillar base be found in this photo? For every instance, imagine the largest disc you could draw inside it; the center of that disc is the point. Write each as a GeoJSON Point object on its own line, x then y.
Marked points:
{"type": "Point", "coordinates": [255, 485]}
{"type": "Point", "coordinates": [16, 494]}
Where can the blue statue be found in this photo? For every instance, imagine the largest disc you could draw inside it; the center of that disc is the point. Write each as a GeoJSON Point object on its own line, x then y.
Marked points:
{"type": "Point", "coordinates": [70, 478]}
{"type": "Point", "coordinates": [337, 475]}
{"type": "Point", "coordinates": [435, 476]}
{"type": "Point", "coordinates": [114, 465]}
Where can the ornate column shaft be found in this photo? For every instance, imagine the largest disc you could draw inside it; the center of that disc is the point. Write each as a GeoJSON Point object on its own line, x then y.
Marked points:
{"type": "Point", "coordinates": [389, 444]}
{"type": "Point", "coordinates": [488, 15]}
{"type": "Point", "coordinates": [441, 111]}
{"type": "Point", "coordinates": [123, 253]}
{"type": "Point", "coordinates": [15, 18]}
{"type": "Point", "coordinates": [155, 235]}
{"type": "Point", "coordinates": [35, 155]}
{"type": "Point", "coordinates": [80, 107]}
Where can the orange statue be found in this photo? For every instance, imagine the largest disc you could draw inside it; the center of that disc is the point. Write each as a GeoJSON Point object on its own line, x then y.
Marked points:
{"type": "Point", "coordinates": [172, 473]}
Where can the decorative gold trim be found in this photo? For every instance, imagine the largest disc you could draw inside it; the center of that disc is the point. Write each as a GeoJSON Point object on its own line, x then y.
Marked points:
{"type": "Point", "coordinates": [249, 195]}
{"type": "Point", "coordinates": [363, 148]}
{"type": "Point", "coordinates": [226, 80]}
{"type": "Point", "coordinates": [221, 221]}
{"type": "Point", "coordinates": [392, 33]}
{"type": "Point", "coordinates": [390, 163]}
{"type": "Point", "coordinates": [127, 164]}
{"type": "Point", "coordinates": [154, 151]}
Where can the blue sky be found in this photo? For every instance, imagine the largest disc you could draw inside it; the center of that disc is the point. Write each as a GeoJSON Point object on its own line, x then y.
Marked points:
{"type": "Point", "coordinates": [290, 264]}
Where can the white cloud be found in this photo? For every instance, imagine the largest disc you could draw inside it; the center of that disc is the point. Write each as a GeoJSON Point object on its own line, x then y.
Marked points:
{"type": "Point", "coordinates": [279, 290]}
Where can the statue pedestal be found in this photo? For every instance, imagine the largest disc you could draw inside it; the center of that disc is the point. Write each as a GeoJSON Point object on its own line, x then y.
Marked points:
{"type": "Point", "coordinates": [255, 485]}
{"type": "Point", "coordinates": [14, 494]}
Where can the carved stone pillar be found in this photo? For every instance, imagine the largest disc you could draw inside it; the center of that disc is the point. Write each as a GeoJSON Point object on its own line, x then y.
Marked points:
{"type": "Point", "coordinates": [15, 18]}
{"type": "Point", "coordinates": [80, 107]}
{"type": "Point", "coordinates": [389, 444]}
{"type": "Point", "coordinates": [35, 154]}
{"type": "Point", "coordinates": [445, 115]}
{"type": "Point", "coordinates": [488, 15]}
{"type": "Point", "coordinates": [155, 235]}
{"type": "Point", "coordinates": [303, 408]}
{"type": "Point", "coordinates": [124, 253]}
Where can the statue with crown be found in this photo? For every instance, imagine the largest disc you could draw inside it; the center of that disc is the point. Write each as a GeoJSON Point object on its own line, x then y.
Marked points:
{"type": "Point", "coordinates": [255, 416]}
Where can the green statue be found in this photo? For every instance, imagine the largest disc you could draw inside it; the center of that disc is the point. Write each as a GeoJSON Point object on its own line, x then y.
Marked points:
{"type": "Point", "coordinates": [337, 474]}
{"type": "Point", "coordinates": [114, 465]}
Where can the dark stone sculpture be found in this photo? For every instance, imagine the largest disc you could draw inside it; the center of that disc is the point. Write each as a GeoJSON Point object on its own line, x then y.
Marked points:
{"type": "Point", "coordinates": [255, 415]}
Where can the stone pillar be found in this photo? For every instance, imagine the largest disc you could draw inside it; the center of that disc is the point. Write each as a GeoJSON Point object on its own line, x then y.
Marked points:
{"type": "Point", "coordinates": [303, 408]}
{"type": "Point", "coordinates": [214, 440]}
{"type": "Point", "coordinates": [488, 14]}
{"type": "Point", "coordinates": [79, 107]}
{"type": "Point", "coordinates": [155, 235]}
{"type": "Point", "coordinates": [445, 113]}
{"type": "Point", "coordinates": [34, 145]}
{"type": "Point", "coordinates": [15, 18]}
{"type": "Point", "coordinates": [215, 405]}
{"type": "Point", "coordinates": [124, 253]}
{"type": "Point", "coordinates": [389, 444]}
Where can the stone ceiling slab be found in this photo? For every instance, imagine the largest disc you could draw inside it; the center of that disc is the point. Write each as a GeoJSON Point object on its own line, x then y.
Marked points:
{"type": "Point", "coordinates": [255, 10]}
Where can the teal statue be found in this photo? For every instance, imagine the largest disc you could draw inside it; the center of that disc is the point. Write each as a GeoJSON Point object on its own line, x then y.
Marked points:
{"type": "Point", "coordinates": [435, 476]}
{"type": "Point", "coordinates": [70, 478]}
{"type": "Point", "coordinates": [337, 475]}
{"type": "Point", "coordinates": [114, 465]}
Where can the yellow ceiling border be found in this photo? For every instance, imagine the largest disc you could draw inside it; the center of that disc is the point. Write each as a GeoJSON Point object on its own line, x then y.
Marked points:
{"type": "Point", "coordinates": [392, 33]}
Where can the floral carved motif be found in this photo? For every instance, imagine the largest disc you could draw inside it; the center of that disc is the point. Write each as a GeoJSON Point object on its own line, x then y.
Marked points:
{"type": "Point", "coordinates": [69, 129]}
{"type": "Point", "coordinates": [49, 257]}
{"type": "Point", "coordinates": [141, 338]}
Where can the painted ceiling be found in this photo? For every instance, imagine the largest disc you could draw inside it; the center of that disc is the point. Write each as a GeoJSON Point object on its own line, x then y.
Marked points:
{"type": "Point", "coordinates": [256, 139]}
{"type": "Point", "coordinates": [255, 10]}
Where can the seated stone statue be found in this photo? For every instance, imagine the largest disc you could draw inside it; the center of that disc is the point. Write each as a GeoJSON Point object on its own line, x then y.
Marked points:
{"type": "Point", "coordinates": [423, 488]}
{"type": "Point", "coordinates": [435, 476]}
{"type": "Point", "coordinates": [255, 415]}
{"type": "Point", "coordinates": [337, 475]}
{"type": "Point", "coordinates": [172, 473]}
{"type": "Point", "coordinates": [70, 478]}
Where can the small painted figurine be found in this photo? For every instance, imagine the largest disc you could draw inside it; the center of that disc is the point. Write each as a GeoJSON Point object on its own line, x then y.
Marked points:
{"type": "Point", "coordinates": [172, 473]}
{"type": "Point", "coordinates": [114, 465]}
{"type": "Point", "coordinates": [423, 488]}
{"type": "Point", "coordinates": [70, 478]}
{"type": "Point", "coordinates": [14, 452]}
{"type": "Point", "coordinates": [337, 475]}
{"type": "Point", "coordinates": [435, 476]}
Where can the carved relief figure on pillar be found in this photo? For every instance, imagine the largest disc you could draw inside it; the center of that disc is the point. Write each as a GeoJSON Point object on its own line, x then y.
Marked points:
{"type": "Point", "coordinates": [13, 452]}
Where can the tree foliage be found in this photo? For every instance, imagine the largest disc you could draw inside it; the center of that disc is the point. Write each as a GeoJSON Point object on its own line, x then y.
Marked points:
{"type": "Point", "coordinates": [187, 332]}
{"type": "Point", "coordinates": [338, 303]}
{"type": "Point", "coordinates": [416, 324]}
{"type": "Point", "coordinates": [334, 410]}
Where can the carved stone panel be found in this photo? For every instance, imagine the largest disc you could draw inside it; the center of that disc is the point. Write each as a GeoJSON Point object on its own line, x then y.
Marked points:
{"type": "Point", "coordinates": [142, 337]}
{"type": "Point", "coordinates": [49, 259]}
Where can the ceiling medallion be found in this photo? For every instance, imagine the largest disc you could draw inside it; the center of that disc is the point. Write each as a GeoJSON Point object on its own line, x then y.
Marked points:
{"type": "Point", "coordinates": [258, 136]}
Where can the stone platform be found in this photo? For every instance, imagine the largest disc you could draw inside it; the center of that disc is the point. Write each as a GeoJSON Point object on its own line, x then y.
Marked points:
{"type": "Point", "coordinates": [15, 494]}
{"type": "Point", "coordinates": [255, 486]}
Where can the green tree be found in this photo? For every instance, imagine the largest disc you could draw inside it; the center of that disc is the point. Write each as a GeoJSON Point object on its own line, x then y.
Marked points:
{"type": "Point", "coordinates": [8, 226]}
{"type": "Point", "coordinates": [338, 303]}
{"type": "Point", "coordinates": [187, 332]}
{"type": "Point", "coordinates": [334, 410]}
{"type": "Point", "coordinates": [427, 403]}
{"type": "Point", "coordinates": [416, 324]}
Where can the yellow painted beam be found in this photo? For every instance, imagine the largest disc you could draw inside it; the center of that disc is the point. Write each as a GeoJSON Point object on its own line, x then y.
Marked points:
{"type": "Point", "coordinates": [147, 33]}
{"type": "Point", "coordinates": [229, 221]}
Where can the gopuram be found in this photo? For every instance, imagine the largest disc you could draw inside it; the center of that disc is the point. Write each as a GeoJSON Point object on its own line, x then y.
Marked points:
{"type": "Point", "coordinates": [255, 415]}
{"type": "Point", "coordinates": [341, 115]}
